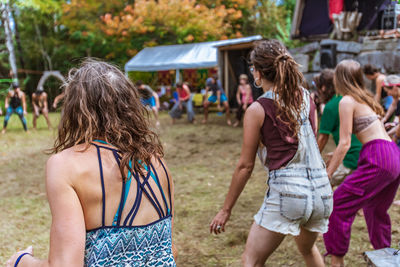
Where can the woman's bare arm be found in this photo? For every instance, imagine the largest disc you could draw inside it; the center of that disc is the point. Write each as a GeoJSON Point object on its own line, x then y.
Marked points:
{"type": "Point", "coordinates": [68, 233]}
{"type": "Point", "coordinates": [378, 86]}
{"type": "Point", "coordinates": [253, 121]}
{"type": "Point", "coordinates": [390, 111]}
{"type": "Point", "coordinates": [248, 92]}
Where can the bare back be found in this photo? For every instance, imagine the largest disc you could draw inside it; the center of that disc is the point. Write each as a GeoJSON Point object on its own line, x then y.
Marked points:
{"type": "Point", "coordinates": [375, 130]}
{"type": "Point", "coordinates": [88, 186]}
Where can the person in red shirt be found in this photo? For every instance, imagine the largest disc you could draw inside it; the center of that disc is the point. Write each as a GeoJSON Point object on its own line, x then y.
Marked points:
{"type": "Point", "coordinates": [185, 100]}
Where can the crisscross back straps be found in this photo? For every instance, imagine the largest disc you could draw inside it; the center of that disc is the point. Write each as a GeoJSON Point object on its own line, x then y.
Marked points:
{"type": "Point", "coordinates": [143, 187]}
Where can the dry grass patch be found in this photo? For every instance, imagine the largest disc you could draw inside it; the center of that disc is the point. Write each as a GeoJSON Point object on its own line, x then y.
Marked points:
{"type": "Point", "coordinates": [201, 158]}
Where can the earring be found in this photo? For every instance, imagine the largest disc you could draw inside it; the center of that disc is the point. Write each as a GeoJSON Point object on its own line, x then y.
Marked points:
{"type": "Point", "coordinates": [256, 85]}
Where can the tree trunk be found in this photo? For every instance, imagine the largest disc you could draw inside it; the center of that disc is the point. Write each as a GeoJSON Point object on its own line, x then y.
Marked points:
{"type": "Point", "coordinates": [5, 11]}
{"type": "Point", "coordinates": [19, 46]}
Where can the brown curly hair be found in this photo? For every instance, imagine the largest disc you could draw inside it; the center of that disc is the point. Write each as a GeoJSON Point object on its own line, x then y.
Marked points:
{"type": "Point", "coordinates": [101, 103]}
{"type": "Point", "coordinates": [273, 61]}
{"type": "Point", "coordinates": [325, 78]}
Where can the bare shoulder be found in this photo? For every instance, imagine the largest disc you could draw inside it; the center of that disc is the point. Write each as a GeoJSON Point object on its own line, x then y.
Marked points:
{"type": "Point", "coordinates": [347, 100]}
{"type": "Point", "coordinates": [380, 78]}
{"type": "Point", "coordinates": [160, 165]}
{"type": "Point", "coordinates": [256, 109]}
{"type": "Point", "coordinates": [347, 105]}
{"type": "Point", "coordinates": [68, 163]}
{"type": "Point", "coordinates": [255, 112]}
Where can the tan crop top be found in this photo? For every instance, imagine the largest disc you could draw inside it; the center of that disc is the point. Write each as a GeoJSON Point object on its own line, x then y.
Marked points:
{"type": "Point", "coordinates": [361, 123]}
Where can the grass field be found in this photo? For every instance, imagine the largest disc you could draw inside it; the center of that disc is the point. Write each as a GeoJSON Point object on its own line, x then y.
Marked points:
{"type": "Point", "coordinates": [201, 159]}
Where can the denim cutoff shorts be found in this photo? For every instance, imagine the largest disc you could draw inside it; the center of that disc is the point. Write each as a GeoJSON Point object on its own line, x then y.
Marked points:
{"type": "Point", "coordinates": [297, 197]}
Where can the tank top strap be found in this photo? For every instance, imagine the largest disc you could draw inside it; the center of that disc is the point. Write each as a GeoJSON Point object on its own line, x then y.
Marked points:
{"type": "Point", "coordinates": [142, 185]}
{"type": "Point", "coordinates": [102, 185]}
{"type": "Point", "coordinates": [125, 185]}
{"type": "Point", "coordinates": [269, 94]}
{"type": "Point", "coordinates": [306, 105]}
{"type": "Point", "coordinates": [169, 187]}
{"type": "Point", "coordinates": [150, 196]}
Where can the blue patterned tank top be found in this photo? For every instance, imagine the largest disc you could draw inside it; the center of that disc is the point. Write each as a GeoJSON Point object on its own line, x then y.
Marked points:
{"type": "Point", "coordinates": [122, 244]}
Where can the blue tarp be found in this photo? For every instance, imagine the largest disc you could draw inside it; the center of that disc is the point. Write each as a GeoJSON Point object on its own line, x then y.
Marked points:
{"type": "Point", "coordinates": [185, 56]}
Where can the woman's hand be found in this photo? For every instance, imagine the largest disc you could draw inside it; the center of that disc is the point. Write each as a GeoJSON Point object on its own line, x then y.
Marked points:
{"type": "Point", "coordinates": [217, 225]}
{"type": "Point", "coordinates": [13, 259]}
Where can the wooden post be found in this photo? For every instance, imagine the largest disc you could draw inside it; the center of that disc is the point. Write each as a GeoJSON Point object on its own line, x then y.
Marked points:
{"type": "Point", "coordinates": [226, 73]}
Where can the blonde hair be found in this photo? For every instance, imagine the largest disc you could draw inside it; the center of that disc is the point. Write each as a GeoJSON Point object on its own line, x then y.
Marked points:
{"type": "Point", "coordinates": [349, 80]}
{"type": "Point", "coordinates": [244, 77]}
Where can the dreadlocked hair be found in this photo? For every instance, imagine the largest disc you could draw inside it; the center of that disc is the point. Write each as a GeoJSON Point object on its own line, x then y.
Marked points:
{"type": "Point", "coordinates": [273, 61]}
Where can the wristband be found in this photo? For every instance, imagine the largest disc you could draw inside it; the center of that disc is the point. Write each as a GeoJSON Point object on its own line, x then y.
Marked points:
{"type": "Point", "coordinates": [20, 257]}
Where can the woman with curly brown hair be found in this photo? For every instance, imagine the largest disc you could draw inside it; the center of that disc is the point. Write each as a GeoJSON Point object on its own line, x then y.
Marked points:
{"type": "Point", "coordinates": [373, 185]}
{"type": "Point", "coordinates": [299, 199]}
{"type": "Point", "coordinates": [110, 193]}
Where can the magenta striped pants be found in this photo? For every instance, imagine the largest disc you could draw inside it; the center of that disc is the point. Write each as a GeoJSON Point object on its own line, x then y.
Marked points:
{"type": "Point", "coordinates": [372, 187]}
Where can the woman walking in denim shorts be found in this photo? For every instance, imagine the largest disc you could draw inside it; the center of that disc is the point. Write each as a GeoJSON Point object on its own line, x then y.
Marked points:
{"type": "Point", "coordinates": [299, 199]}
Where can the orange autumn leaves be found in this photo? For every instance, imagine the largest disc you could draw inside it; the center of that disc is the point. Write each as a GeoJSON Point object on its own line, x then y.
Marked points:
{"type": "Point", "coordinates": [184, 20]}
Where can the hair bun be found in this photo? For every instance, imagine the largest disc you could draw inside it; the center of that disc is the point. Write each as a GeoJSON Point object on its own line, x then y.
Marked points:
{"type": "Point", "coordinates": [282, 57]}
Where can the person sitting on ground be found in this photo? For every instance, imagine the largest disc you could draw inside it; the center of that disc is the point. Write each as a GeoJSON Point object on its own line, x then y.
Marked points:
{"type": "Point", "coordinates": [372, 73]}
{"type": "Point", "coordinates": [218, 95]}
{"type": "Point", "coordinates": [184, 100]}
{"type": "Point", "coordinates": [244, 97]}
{"type": "Point", "coordinates": [58, 99]}
{"type": "Point", "coordinates": [39, 104]}
{"type": "Point", "coordinates": [330, 125]}
{"type": "Point", "coordinates": [149, 98]}
{"type": "Point", "coordinates": [392, 87]}
{"type": "Point", "coordinates": [110, 193]}
{"type": "Point", "coordinates": [15, 103]}
{"type": "Point", "coordinates": [373, 185]}
{"type": "Point", "coordinates": [299, 199]}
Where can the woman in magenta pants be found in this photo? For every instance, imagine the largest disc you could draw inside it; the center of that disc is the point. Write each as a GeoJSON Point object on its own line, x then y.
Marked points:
{"type": "Point", "coordinates": [373, 185]}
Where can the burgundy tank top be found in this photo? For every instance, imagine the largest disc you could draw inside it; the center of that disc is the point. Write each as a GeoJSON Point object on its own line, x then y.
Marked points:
{"type": "Point", "coordinates": [277, 137]}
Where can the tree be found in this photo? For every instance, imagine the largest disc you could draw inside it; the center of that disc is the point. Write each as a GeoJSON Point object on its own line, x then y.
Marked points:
{"type": "Point", "coordinates": [5, 17]}
{"type": "Point", "coordinates": [151, 22]}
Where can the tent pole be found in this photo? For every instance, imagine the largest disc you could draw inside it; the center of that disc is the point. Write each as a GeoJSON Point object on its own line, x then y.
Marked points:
{"type": "Point", "coordinates": [226, 73]}
{"type": "Point", "coordinates": [177, 76]}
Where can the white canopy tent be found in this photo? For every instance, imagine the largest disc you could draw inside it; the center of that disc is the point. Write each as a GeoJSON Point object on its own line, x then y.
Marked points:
{"type": "Point", "coordinates": [191, 56]}
{"type": "Point", "coordinates": [185, 56]}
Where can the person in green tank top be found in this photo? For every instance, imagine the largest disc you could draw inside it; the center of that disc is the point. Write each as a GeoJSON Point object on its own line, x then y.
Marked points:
{"type": "Point", "coordinates": [330, 125]}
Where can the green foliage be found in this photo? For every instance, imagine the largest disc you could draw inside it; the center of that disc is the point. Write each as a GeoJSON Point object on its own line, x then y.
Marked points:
{"type": "Point", "coordinates": [57, 34]}
{"type": "Point", "coordinates": [149, 78]}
